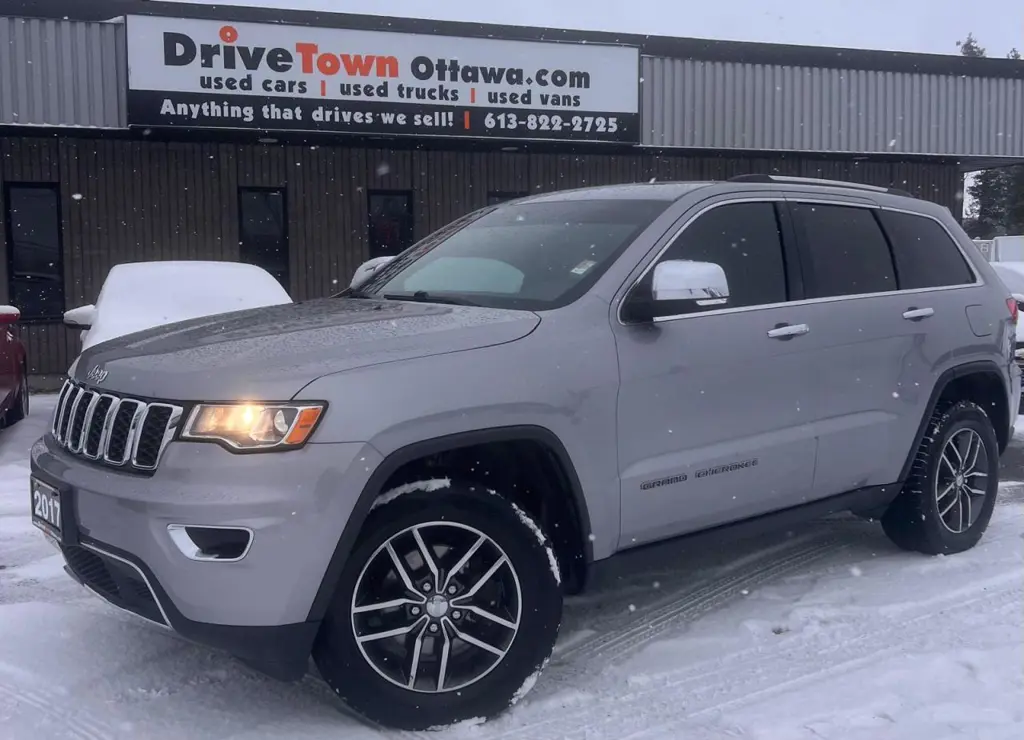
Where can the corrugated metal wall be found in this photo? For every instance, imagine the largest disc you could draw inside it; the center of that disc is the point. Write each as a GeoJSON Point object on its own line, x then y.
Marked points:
{"type": "Point", "coordinates": [62, 73]}
{"type": "Point", "coordinates": [151, 200]}
{"type": "Point", "coordinates": [731, 105]}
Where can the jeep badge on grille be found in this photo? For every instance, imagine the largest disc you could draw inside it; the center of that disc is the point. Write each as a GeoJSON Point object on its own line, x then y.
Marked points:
{"type": "Point", "coordinates": [97, 374]}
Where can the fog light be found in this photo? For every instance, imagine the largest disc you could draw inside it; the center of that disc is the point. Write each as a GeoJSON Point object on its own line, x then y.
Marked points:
{"type": "Point", "coordinates": [217, 544]}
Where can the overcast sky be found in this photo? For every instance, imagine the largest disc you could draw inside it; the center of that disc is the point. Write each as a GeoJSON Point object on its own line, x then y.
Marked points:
{"type": "Point", "coordinates": [904, 25]}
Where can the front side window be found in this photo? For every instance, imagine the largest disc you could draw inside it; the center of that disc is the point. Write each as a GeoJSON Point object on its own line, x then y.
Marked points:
{"type": "Point", "coordinates": [533, 256]}
{"type": "Point", "coordinates": [745, 241]}
{"type": "Point", "coordinates": [35, 259]}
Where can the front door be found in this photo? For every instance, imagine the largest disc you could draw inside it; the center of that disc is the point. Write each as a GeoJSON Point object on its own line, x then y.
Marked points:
{"type": "Point", "coordinates": [715, 416]}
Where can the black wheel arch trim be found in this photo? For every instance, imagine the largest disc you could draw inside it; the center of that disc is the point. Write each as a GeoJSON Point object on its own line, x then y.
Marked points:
{"type": "Point", "coordinates": [986, 367]}
{"type": "Point", "coordinates": [375, 487]}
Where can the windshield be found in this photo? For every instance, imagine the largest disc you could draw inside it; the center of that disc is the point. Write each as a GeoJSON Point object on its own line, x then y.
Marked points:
{"type": "Point", "coordinates": [532, 255]}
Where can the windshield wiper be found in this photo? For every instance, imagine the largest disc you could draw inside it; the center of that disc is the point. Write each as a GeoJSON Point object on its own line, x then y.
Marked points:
{"type": "Point", "coordinates": [422, 296]}
{"type": "Point", "coordinates": [353, 293]}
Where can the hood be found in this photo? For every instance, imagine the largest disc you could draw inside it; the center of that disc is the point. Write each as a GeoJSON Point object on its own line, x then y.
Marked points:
{"type": "Point", "coordinates": [271, 353]}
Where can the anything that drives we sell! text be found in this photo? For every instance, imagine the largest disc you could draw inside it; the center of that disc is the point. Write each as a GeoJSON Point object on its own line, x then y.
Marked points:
{"type": "Point", "coordinates": [206, 74]}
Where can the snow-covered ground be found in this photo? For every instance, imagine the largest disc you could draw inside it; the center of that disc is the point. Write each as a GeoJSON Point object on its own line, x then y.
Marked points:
{"type": "Point", "coordinates": [825, 633]}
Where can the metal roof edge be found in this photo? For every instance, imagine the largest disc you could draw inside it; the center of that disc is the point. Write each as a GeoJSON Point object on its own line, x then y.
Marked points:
{"type": "Point", "coordinates": [649, 45]}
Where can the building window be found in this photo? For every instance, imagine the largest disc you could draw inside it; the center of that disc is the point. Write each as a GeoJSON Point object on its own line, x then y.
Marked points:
{"type": "Point", "coordinates": [263, 231]}
{"type": "Point", "coordinates": [390, 219]}
{"type": "Point", "coordinates": [35, 264]}
{"type": "Point", "coordinates": [494, 199]}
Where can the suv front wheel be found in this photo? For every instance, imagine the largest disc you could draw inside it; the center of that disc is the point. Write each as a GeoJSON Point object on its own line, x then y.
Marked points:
{"type": "Point", "coordinates": [447, 610]}
{"type": "Point", "coordinates": [947, 501]}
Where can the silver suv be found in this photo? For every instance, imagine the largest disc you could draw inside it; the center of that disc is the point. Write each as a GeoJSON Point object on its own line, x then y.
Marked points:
{"type": "Point", "coordinates": [402, 481]}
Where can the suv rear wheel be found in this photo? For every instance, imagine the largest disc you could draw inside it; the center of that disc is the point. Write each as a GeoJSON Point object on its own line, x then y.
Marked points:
{"type": "Point", "coordinates": [447, 610]}
{"type": "Point", "coordinates": [947, 502]}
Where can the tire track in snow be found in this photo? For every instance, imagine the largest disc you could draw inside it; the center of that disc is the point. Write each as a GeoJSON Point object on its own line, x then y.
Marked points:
{"type": "Point", "coordinates": [647, 624]}
{"type": "Point", "coordinates": [637, 629]}
{"type": "Point", "coordinates": [848, 660]}
{"type": "Point", "coordinates": [76, 721]}
{"type": "Point", "coordinates": [711, 686]}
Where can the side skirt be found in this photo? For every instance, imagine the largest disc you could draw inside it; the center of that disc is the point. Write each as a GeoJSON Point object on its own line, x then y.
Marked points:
{"type": "Point", "coordinates": [868, 502]}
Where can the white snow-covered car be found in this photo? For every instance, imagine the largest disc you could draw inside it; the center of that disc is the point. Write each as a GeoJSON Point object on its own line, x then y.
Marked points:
{"type": "Point", "coordinates": [1012, 275]}
{"type": "Point", "coordinates": [141, 295]}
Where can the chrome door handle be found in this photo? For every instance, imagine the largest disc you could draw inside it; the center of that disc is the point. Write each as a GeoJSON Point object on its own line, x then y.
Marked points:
{"type": "Point", "coordinates": [788, 331]}
{"type": "Point", "coordinates": [916, 314]}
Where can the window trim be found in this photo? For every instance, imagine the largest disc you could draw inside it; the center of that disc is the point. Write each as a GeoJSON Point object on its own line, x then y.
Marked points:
{"type": "Point", "coordinates": [788, 223]}
{"type": "Point", "coordinates": [285, 222]}
{"type": "Point", "coordinates": [411, 197]}
{"type": "Point", "coordinates": [9, 241]}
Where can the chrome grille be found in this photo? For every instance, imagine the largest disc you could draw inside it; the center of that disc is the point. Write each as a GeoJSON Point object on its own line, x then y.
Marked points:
{"type": "Point", "coordinates": [111, 429]}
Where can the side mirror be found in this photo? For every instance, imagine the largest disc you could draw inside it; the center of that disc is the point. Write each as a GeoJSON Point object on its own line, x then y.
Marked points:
{"type": "Point", "coordinates": [9, 315]}
{"type": "Point", "coordinates": [81, 317]}
{"type": "Point", "coordinates": [703, 283]}
{"type": "Point", "coordinates": [677, 287]}
{"type": "Point", "coordinates": [365, 270]}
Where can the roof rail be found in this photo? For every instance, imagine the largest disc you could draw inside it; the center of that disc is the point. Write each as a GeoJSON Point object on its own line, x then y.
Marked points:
{"type": "Point", "coordinates": [783, 179]}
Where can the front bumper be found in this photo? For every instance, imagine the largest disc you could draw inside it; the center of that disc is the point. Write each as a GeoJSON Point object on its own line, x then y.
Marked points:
{"type": "Point", "coordinates": [116, 540]}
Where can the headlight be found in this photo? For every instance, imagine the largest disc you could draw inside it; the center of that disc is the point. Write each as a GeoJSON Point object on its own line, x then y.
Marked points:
{"type": "Point", "coordinates": [248, 426]}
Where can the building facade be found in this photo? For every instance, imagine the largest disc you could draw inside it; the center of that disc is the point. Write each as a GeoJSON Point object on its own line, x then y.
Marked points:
{"type": "Point", "coordinates": [309, 142]}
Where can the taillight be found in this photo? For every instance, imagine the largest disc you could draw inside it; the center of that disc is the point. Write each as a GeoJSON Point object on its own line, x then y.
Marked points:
{"type": "Point", "coordinates": [1011, 303]}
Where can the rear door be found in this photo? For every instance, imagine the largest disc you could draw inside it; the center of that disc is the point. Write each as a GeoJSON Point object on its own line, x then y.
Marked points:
{"type": "Point", "coordinates": [882, 316]}
{"type": "Point", "coordinates": [715, 418]}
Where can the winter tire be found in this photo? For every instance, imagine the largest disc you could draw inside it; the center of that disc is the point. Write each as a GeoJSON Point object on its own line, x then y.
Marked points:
{"type": "Point", "coordinates": [19, 408]}
{"type": "Point", "coordinates": [948, 499]}
{"type": "Point", "coordinates": [447, 610]}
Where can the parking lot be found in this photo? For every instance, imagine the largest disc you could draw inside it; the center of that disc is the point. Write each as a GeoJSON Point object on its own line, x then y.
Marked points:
{"type": "Point", "coordinates": [825, 632]}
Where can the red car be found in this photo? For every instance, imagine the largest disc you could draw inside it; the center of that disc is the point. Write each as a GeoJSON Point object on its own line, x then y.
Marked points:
{"type": "Point", "coordinates": [13, 370]}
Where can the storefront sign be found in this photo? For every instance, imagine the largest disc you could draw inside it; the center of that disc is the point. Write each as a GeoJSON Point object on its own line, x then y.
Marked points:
{"type": "Point", "coordinates": [210, 74]}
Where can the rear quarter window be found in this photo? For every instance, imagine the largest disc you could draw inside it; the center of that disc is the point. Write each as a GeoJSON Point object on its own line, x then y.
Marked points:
{"type": "Point", "coordinates": [925, 254]}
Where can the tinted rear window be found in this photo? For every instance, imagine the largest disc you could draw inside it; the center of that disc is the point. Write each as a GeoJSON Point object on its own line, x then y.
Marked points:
{"type": "Point", "coordinates": [926, 256]}
{"type": "Point", "coordinates": [848, 252]}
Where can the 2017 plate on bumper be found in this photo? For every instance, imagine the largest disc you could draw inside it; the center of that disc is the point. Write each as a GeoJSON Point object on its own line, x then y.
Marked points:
{"type": "Point", "coordinates": [46, 508]}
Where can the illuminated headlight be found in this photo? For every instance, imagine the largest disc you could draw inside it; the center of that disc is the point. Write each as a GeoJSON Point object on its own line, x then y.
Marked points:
{"type": "Point", "coordinates": [247, 426]}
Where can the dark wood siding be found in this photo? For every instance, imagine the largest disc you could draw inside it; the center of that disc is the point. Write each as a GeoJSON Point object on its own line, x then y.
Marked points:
{"type": "Point", "coordinates": [159, 200]}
